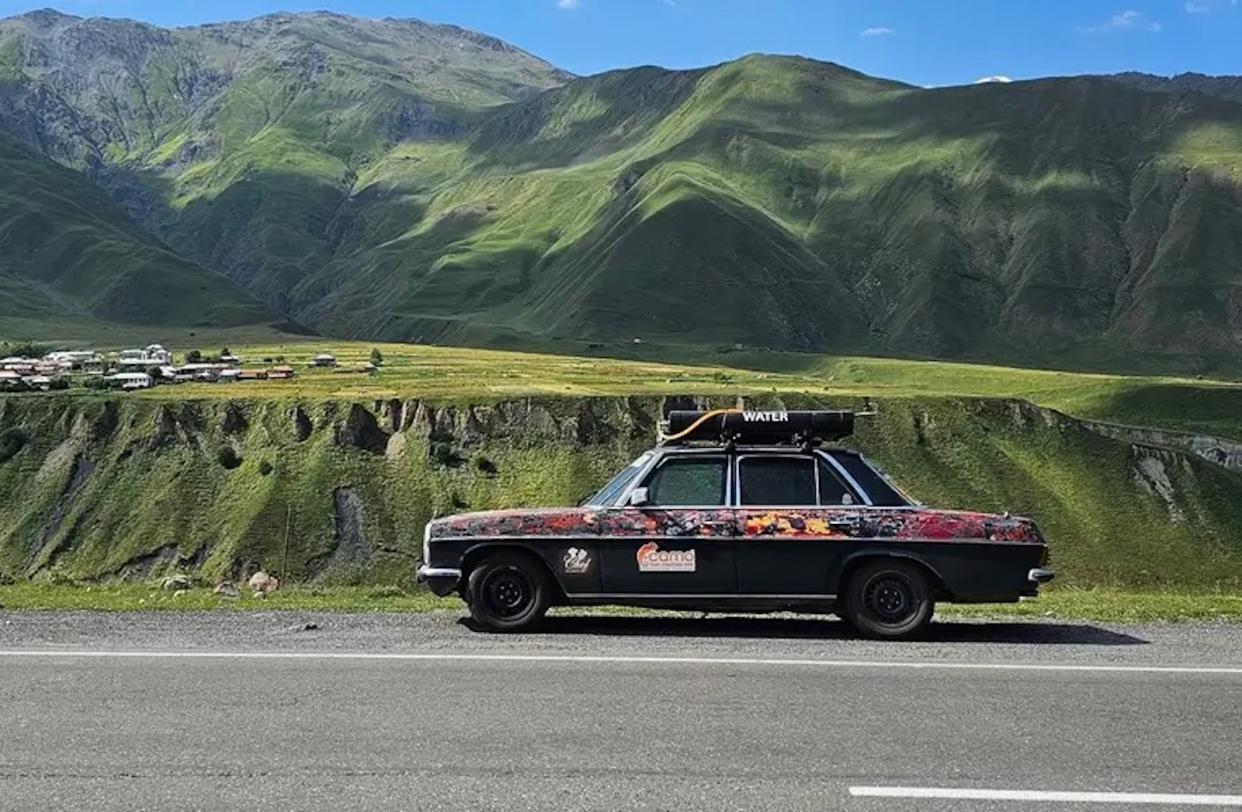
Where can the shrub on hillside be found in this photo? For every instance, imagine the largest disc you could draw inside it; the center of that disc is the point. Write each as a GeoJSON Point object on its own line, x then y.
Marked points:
{"type": "Point", "coordinates": [24, 349]}
{"type": "Point", "coordinates": [12, 441]}
{"type": "Point", "coordinates": [228, 457]}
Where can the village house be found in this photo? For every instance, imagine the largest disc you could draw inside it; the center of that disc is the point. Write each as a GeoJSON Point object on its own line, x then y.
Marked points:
{"type": "Point", "coordinates": [150, 356]}
{"type": "Point", "coordinates": [323, 360]}
{"type": "Point", "coordinates": [130, 380]}
{"type": "Point", "coordinates": [280, 373]}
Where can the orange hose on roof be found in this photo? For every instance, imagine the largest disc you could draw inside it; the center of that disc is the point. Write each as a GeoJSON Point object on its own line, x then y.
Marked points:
{"type": "Point", "coordinates": [703, 419]}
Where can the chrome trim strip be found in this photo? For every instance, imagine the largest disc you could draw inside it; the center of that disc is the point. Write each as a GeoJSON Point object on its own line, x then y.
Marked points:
{"type": "Point", "coordinates": [582, 537]}
{"type": "Point", "coordinates": [1040, 575]}
{"type": "Point", "coordinates": [425, 572]}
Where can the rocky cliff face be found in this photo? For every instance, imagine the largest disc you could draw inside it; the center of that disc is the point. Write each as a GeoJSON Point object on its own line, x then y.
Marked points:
{"type": "Point", "coordinates": [136, 489]}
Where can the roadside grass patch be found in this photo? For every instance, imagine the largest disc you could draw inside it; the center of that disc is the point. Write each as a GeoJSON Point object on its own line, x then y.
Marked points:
{"type": "Point", "coordinates": [1075, 605]}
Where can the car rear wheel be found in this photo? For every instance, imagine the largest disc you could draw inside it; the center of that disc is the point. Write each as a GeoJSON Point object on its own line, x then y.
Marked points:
{"type": "Point", "coordinates": [507, 592]}
{"type": "Point", "coordinates": [888, 599]}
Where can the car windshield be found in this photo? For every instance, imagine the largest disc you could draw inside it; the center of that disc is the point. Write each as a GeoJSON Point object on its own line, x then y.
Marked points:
{"type": "Point", "coordinates": [608, 494]}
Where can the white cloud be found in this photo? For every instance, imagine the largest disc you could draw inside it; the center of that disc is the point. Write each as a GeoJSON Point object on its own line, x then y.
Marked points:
{"type": "Point", "coordinates": [1000, 78]}
{"type": "Point", "coordinates": [568, 5]}
{"type": "Point", "coordinates": [1128, 20]}
{"type": "Point", "coordinates": [877, 31]}
{"type": "Point", "coordinates": [1206, 6]}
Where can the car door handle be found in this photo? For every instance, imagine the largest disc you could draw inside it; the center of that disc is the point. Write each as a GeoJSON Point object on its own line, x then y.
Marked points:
{"type": "Point", "coordinates": [719, 524]}
{"type": "Point", "coordinates": [850, 524]}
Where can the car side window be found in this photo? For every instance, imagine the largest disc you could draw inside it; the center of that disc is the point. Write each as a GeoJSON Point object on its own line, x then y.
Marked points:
{"type": "Point", "coordinates": [693, 481]}
{"type": "Point", "coordinates": [832, 491]}
{"type": "Point", "coordinates": [777, 481]}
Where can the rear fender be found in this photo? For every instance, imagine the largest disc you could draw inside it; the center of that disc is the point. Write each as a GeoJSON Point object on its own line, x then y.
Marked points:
{"type": "Point", "coordinates": [938, 584]}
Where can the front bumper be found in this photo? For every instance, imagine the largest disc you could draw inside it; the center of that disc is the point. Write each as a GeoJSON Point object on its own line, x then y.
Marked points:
{"type": "Point", "coordinates": [442, 580]}
{"type": "Point", "coordinates": [1039, 575]}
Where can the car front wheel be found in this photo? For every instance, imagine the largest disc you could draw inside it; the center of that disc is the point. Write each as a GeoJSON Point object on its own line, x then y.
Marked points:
{"type": "Point", "coordinates": [507, 592]}
{"type": "Point", "coordinates": [888, 599]}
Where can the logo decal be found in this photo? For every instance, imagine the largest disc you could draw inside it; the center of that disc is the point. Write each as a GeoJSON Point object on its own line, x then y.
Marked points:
{"type": "Point", "coordinates": [765, 417]}
{"type": "Point", "coordinates": [652, 559]}
{"type": "Point", "coordinates": [576, 561]}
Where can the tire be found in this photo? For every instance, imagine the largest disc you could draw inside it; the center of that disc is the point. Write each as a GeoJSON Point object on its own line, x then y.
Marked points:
{"type": "Point", "coordinates": [507, 592]}
{"type": "Point", "coordinates": [888, 599]}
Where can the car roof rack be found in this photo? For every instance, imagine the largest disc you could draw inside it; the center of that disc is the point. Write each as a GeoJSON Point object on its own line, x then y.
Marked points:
{"type": "Point", "coordinates": [755, 427]}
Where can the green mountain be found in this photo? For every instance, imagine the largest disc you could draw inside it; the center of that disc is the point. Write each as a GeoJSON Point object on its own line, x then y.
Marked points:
{"type": "Point", "coordinates": [68, 253]}
{"type": "Point", "coordinates": [789, 203]}
{"type": "Point", "coordinates": [238, 142]}
{"type": "Point", "coordinates": [397, 180]}
{"type": "Point", "coordinates": [1225, 87]}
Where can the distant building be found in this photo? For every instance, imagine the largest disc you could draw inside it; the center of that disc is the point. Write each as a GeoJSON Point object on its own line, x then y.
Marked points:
{"type": "Point", "coordinates": [130, 380]}
{"type": "Point", "coordinates": [281, 373]}
{"type": "Point", "coordinates": [252, 375]}
{"type": "Point", "coordinates": [323, 360]}
{"type": "Point", "coordinates": [149, 356]}
{"type": "Point", "coordinates": [71, 359]}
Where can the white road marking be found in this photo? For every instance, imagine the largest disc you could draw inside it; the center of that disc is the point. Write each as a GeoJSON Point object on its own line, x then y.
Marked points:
{"type": "Point", "coordinates": [622, 659]}
{"type": "Point", "coordinates": [963, 794]}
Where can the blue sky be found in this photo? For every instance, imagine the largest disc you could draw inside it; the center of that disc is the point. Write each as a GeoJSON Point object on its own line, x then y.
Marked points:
{"type": "Point", "coordinates": [928, 42]}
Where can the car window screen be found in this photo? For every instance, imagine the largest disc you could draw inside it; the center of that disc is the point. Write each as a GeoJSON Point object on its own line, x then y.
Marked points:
{"type": "Point", "coordinates": [696, 482]}
{"type": "Point", "coordinates": [832, 491]}
{"type": "Point", "coordinates": [777, 481]}
{"type": "Point", "coordinates": [881, 493]}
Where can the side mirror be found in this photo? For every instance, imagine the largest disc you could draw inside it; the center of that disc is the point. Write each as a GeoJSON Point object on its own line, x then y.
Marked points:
{"type": "Point", "coordinates": [637, 498]}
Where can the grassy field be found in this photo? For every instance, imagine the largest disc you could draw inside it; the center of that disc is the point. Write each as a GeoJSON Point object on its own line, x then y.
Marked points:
{"type": "Point", "coordinates": [462, 374]}
{"type": "Point", "coordinates": [203, 478]}
{"type": "Point", "coordinates": [1101, 605]}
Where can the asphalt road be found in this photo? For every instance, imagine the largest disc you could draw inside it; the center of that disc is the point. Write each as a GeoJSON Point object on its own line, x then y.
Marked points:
{"type": "Point", "coordinates": [220, 710]}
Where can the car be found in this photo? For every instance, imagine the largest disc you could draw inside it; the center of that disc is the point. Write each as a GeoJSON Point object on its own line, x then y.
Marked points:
{"type": "Point", "coordinates": [739, 511]}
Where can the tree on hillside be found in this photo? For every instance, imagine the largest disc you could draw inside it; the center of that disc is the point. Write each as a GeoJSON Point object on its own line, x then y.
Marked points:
{"type": "Point", "coordinates": [193, 357]}
{"type": "Point", "coordinates": [377, 357]}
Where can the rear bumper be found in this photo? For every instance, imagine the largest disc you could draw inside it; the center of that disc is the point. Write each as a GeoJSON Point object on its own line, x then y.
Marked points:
{"type": "Point", "coordinates": [1039, 575]}
{"type": "Point", "coordinates": [442, 580]}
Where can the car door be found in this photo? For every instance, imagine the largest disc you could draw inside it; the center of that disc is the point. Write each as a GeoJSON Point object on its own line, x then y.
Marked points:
{"type": "Point", "coordinates": [680, 542]}
{"type": "Point", "coordinates": [793, 510]}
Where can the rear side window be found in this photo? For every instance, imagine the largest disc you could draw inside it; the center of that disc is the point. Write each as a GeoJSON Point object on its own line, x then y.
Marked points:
{"type": "Point", "coordinates": [876, 485]}
{"type": "Point", "coordinates": [832, 491]}
{"type": "Point", "coordinates": [777, 481]}
{"type": "Point", "coordinates": [693, 482]}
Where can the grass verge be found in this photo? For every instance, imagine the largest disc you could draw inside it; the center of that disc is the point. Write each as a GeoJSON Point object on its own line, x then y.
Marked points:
{"type": "Point", "coordinates": [1099, 605]}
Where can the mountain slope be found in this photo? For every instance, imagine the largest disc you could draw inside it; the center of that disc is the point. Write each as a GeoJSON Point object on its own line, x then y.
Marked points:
{"type": "Point", "coordinates": [397, 180]}
{"type": "Point", "coordinates": [236, 142]}
{"type": "Point", "coordinates": [783, 202]}
{"type": "Point", "coordinates": [1225, 87]}
{"type": "Point", "coordinates": [68, 253]}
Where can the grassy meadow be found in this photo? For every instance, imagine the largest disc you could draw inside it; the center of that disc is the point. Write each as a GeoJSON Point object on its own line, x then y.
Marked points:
{"type": "Point", "coordinates": [459, 374]}
{"type": "Point", "coordinates": [1098, 605]}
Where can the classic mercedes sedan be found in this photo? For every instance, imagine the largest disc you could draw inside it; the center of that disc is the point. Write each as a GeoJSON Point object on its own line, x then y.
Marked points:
{"type": "Point", "coordinates": [739, 511]}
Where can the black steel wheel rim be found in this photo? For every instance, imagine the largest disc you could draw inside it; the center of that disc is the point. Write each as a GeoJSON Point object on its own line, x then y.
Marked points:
{"type": "Point", "coordinates": [507, 592]}
{"type": "Point", "coordinates": [889, 598]}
